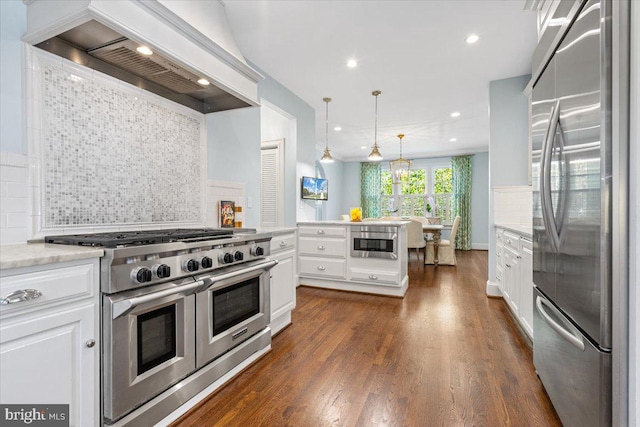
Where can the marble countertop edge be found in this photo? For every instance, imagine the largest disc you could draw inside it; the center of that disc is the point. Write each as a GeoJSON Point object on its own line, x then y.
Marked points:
{"type": "Point", "coordinates": [21, 255]}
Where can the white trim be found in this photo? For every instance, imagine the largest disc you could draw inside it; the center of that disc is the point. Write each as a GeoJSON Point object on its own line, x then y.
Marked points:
{"type": "Point", "coordinates": [493, 290]}
{"type": "Point", "coordinates": [480, 246]}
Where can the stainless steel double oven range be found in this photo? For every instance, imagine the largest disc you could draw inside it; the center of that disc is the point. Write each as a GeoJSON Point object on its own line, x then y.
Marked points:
{"type": "Point", "coordinates": [180, 309]}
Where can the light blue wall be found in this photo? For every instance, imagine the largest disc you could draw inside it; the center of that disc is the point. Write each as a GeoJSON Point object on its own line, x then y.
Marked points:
{"type": "Point", "coordinates": [480, 199]}
{"type": "Point", "coordinates": [334, 172]}
{"type": "Point", "coordinates": [508, 144]}
{"type": "Point", "coordinates": [233, 139]}
{"type": "Point", "coordinates": [13, 24]}
{"type": "Point", "coordinates": [278, 95]}
{"type": "Point", "coordinates": [509, 131]}
{"type": "Point", "coordinates": [350, 186]}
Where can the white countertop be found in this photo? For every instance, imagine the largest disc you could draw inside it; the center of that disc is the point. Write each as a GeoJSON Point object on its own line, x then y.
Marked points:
{"type": "Point", "coordinates": [522, 229]}
{"type": "Point", "coordinates": [276, 231]}
{"type": "Point", "coordinates": [336, 222]}
{"type": "Point", "coordinates": [30, 254]}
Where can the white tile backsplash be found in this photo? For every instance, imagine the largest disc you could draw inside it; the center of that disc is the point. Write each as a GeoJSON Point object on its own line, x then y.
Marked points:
{"type": "Point", "coordinates": [13, 198]}
{"type": "Point", "coordinates": [512, 205]}
{"type": "Point", "coordinates": [107, 154]}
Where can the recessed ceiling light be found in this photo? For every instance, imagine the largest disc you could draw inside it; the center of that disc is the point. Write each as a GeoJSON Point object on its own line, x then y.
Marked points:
{"type": "Point", "coordinates": [144, 50]}
{"type": "Point", "coordinates": [472, 38]}
{"type": "Point", "coordinates": [455, 114]}
{"type": "Point", "coordinates": [352, 63]}
{"type": "Point", "coordinates": [363, 147]}
{"type": "Point", "coordinates": [453, 139]}
{"type": "Point", "coordinates": [337, 128]}
{"type": "Point", "coordinates": [203, 82]}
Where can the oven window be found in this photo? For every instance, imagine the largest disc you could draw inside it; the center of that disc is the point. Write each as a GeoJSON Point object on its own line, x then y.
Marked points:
{"type": "Point", "coordinates": [156, 337]}
{"type": "Point", "coordinates": [234, 304]}
{"type": "Point", "coordinates": [373, 245]}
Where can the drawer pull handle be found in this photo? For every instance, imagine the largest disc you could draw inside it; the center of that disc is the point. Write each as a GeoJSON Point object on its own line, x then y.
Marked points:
{"type": "Point", "coordinates": [321, 268]}
{"type": "Point", "coordinates": [518, 256]}
{"type": "Point", "coordinates": [283, 243]}
{"type": "Point", "coordinates": [508, 265]}
{"type": "Point", "coordinates": [90, 343]}
{"type": "Point", "coordinates": [373, 277]}
{"type": "Point", "coordinates": [320, 231]}
{"type": "Point", "coordinates": [20, 295]}
{"type": "Point", "coordinates": [321, 248]}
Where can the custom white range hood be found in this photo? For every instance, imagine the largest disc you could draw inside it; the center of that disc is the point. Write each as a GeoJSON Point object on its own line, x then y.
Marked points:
{"type": "Point", "coordinates": [190, 41]}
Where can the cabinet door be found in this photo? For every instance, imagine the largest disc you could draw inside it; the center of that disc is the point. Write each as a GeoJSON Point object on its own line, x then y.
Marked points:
{"type": "Point", "coordinates": [283, 288]}
{"type": "Point", "coordinates": [511, 279]}
{"type": "Point", "coordinates": [526, 287]}
{"type": "Point", "coordinates": [47, 361]}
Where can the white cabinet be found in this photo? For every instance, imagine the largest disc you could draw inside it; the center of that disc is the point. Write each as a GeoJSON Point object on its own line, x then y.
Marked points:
{"type": "Point", "coordinates": [526, 285]}
{"type": "Point", "coordinates": [514, 263]}
{"type": "Point", "coordinates": [283, 280]}
{"type": "Point", "coordinates": [50, 345]}
{"type": "Point", "coordinates": [323, 251]}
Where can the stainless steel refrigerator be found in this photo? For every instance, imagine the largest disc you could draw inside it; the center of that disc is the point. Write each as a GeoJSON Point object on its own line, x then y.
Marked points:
{"type": "Point", "coordinates": [572, 206]}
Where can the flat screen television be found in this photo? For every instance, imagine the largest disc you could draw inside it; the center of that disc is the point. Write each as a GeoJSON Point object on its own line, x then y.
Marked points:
{"type": "Point", "coordinates": [314, 188]}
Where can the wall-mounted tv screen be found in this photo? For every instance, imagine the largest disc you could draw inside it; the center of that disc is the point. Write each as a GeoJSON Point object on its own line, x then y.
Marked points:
{"type": "Point", "coordinates": [314, 188]}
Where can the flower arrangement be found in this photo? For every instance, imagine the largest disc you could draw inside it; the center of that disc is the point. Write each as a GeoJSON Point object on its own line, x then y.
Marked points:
{"type": "Point", "coordinates": [430, 206]}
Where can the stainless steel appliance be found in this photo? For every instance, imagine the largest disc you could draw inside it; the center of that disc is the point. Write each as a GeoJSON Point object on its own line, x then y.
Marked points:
{"type": "Point", "coordinates": [180, 309]}
{"type": "Point", "coordinates": [572, 213]}
{"type": "Point", "coordinates": [374, 241]}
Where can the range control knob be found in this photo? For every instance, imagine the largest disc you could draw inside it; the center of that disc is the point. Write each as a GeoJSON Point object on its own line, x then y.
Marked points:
{"type": "Point", "coordinates": [225, 258]}
{"type": "Point", "coordinates": [238, 256]}
{"type": "Point", "coordinates": [206, 262]}
{"type": "Point", "coordinates": [162, 271]}
{"type": "Point", "coordinates": [257, 251]}
{"type": "Point", "coordinates": [142, 275]}
{"type": "Point", "coordinates": [190, 265]}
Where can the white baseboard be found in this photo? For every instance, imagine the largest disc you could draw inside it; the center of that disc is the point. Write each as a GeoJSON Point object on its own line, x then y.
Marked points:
{"type": "Point", "coordinates": [493, 290]}
{"type": "Point", "coordinates": [480, 246]}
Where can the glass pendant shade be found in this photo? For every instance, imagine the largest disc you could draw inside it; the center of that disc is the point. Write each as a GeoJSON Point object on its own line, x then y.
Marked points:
{"type": "Point", "coordinates": [326, 157]}
{"type": "Point", "coordinates": [375, 155]}
{"type": "Point", "coordinates": [400, 166]}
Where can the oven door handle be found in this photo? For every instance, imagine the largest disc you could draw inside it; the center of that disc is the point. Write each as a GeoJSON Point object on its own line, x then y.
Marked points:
{"type": "Point", "coordinates": [123, 307]}
{"type": "Point", "coordinates": [212, 280]}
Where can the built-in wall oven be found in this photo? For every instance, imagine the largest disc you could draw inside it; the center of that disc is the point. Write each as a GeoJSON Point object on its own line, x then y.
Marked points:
{"type": "Point", "coordinates": [374, 241]}
{"type": "Point", "coordinates": [178, 313]}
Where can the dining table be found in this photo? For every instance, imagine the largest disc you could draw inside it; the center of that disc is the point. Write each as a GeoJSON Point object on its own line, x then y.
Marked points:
{"type": "Point", "coordinates": [436, 230]}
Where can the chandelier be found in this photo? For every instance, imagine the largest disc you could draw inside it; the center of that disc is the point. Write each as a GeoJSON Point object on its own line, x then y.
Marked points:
{"type": "Point", "coordinates": [326, 157]}
{"type": "Point", "coordinates": [375, 153]}
{"type": "Point", "coordinates": [400, 166]}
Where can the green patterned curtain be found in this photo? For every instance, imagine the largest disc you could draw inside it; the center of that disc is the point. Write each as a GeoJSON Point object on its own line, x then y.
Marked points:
{"type": "Point", "coordinates": [461, 167]}
{"type": "Point", "coordinates": [370, 189]}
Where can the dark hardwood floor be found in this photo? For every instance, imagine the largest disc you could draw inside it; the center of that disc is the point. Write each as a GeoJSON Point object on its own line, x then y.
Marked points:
{"type": "Point", "coordinates": [445, 355]}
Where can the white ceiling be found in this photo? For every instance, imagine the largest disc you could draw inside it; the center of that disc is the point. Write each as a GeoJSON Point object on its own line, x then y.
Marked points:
{"type": "Point", "coordinates": [413, 51]}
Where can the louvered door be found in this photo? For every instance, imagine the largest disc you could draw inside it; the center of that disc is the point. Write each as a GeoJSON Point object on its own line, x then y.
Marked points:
{"type": "Point", "coordinates": [272, 191]}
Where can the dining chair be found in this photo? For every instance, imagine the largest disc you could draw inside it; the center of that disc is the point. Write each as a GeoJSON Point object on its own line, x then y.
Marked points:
{"type": "Point", "coordinates": [415, 238]}
{"type": "Point", "coordinates": [446, 248]}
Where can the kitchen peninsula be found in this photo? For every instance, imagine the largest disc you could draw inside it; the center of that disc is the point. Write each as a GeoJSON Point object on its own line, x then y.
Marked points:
{"type": "Point", "coordinates": [369, 257]}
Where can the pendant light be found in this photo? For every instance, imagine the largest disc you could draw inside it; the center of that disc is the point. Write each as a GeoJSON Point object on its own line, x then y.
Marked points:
{"type": "Point", "coordinates": [400, 166]}
{"type": "Point", "coordinates": [375, 153]}
{"type": "Point", "coordinates": [326, 157]}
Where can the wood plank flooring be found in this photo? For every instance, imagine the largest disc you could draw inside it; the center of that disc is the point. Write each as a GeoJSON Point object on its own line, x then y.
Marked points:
{"type": "Point", "coordinates": [445, 355]}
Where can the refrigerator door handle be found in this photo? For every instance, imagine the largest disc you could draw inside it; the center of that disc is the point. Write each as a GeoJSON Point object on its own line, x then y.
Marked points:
{"type": "Point", "coordinates": [545, 178]}
{"type": "Point", "coordinates": [568, 336]}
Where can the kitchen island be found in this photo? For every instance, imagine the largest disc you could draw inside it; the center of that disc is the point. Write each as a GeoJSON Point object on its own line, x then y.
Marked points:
{"type": "Point", "coordinates": [369, 257]}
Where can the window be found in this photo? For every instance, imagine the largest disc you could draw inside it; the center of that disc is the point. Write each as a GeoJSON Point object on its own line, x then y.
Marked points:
{"type": "Point", "coordinates": [431, 182]}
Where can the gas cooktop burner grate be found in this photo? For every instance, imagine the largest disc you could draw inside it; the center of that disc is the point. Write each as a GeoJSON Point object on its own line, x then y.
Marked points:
{"type": "Point", "coordinates": [139, 238]}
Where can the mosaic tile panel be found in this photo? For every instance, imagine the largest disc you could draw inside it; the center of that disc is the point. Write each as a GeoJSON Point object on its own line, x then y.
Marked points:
{"type": "Point", "coordinates": [112, 156]}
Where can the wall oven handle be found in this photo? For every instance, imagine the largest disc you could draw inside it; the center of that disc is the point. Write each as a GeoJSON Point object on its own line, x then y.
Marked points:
{"type": "Point", "coordinates": [568, 336]}
{"type": "Point", "coordinates": [123, 307]}
{"type": "Point", "coordinates": [211, 280]}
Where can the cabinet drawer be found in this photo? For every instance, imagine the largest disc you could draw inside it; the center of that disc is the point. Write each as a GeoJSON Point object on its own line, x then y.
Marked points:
{"type": "Point", "coordinates": [323, 267]}
{"type": "Point", "coordinates": [283, 242]}
{"type": "Point", "coordinates": [323, 247]}
{"type": "Point", "coordinates": [322, 231]}
{"type": "Point", "coordinates": [499, 235]}
{"type": "Point", "coordinates": [511, 240]}
{"type": "Point", "coordinates": [58, 285]}
{"type": "Point", "coordinates": [373, 276]}
{"type": "Point", "coordinates": [526, 244]}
